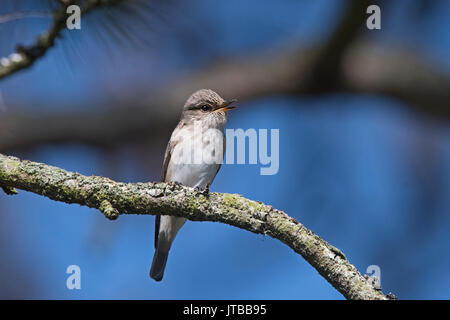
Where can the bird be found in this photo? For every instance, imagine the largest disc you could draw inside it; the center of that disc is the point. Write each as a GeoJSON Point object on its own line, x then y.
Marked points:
{"type": "Point", "coordinates": [193, 158]}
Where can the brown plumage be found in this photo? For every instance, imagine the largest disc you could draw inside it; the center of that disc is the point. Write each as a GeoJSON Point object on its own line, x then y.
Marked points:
{"type": "Point", "coordinates": [200, 130]}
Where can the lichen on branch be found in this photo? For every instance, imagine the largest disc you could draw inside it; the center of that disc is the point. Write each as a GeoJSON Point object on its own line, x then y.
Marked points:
{"type": "Point", "coordinates": [114, 198]}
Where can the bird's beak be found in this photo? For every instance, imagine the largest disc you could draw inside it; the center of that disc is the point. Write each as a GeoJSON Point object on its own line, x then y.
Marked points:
{"type": "Point", "coordinates": [226, 105]}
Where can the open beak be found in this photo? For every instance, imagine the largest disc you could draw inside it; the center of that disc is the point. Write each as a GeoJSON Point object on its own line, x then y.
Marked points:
{"type": "Point", "coordinates": [226, 105]}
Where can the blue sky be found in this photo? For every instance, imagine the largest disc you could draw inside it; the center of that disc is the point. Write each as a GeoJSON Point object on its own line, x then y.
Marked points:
{"type": "Point", "coordinates": [350, 168]}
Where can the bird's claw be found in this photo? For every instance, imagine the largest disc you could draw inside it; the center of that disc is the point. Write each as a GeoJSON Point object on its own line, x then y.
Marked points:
{"type": "Point", "coordinates": [204, 191]}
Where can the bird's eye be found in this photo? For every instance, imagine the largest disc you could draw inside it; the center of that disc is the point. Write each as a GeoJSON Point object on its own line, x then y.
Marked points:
{"type": "Point", "coordinates": [204, 107]}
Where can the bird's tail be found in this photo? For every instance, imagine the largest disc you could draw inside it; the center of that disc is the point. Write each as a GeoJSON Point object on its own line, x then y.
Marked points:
{"type": "Point", "coordinates": [158, 264]}
{"type": "Point", "coordinates": [166, 229]}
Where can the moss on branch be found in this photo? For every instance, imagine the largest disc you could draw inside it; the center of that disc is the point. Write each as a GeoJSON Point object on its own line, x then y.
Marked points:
{"type": "Point", "coordinates": [112, 198]}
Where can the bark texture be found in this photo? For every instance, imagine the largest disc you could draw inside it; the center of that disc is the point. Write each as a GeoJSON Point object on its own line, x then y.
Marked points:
{"type": "Point", "coordinates": [115, 198]}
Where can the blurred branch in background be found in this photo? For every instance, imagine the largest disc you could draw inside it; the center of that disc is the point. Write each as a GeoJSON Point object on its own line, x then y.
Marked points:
{"type": "Point", "coordinates": [345, 63]}
{"type": "Point", "coordinates": [113, 198]}
{"type": "Point", "coordinates": [400, 172]}
{"type": "Point", "coordinates": [27, 55]}
{"type": "Point", "coordinates": [20, 15]}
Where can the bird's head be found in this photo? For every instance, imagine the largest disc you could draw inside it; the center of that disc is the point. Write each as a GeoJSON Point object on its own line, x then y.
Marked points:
{"type": "Point", "coordinates": [207, 105]}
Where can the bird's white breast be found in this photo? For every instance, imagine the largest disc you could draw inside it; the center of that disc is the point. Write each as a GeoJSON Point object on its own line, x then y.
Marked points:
{"type": "Point", "coordinates": [196, 148]}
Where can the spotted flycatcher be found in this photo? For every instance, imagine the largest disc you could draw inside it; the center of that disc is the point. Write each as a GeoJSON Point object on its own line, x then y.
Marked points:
{"type": "Point", "coordinates": [193, 158]}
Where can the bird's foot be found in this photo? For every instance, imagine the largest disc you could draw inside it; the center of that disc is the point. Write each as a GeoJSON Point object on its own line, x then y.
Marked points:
{"type": "Point", "coordinates": [204, 191]}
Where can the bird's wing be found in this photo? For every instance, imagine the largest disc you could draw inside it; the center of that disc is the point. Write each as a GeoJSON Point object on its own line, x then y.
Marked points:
{"type": "Point", "coordinates": [167, 157]}
{"type": "Point", "coordinates": [223, 153]}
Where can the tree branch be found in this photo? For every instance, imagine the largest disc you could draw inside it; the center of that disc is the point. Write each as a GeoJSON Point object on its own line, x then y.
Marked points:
{"type": "Point", "coordinates": [365, 69]}
{"type": "Point", "coordinates": [113, 198]}
{"type": "Point", "coordinates": [25, 14]}
{"type": "Point", "coordinates": [340, 64]}
{"type": "Point", "coordinates": [25, 56]}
